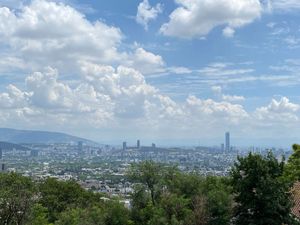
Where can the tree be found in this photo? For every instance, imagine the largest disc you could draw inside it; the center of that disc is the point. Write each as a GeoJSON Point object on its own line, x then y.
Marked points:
{"type": "Point", "coordinates": [261, 195]}
{"type": "Point", "coordinates": [150, 174]}
{"type": "Point", "coordinates": [219, 200]}
{"type": "Point", "coordinates": [76, 216]}
{"type": "Point", "coordinates": [57, 196]}
{"type": "Point", "coordinates": [292, 168]}
{"type": "Point", "coordinates": [16, 198]}
{"type": "Point", "coordinates": [38, 215]}
{"type": "Point", "coordinates": [111, 213]}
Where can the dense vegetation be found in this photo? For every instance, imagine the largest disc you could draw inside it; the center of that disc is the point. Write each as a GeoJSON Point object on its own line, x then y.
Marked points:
{"type": "Point", "coordinates": [257, 192]}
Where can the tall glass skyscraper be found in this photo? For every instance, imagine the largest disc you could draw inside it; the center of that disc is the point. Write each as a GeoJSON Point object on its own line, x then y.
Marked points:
{"type": "Point", "coordinates": [227, 142]}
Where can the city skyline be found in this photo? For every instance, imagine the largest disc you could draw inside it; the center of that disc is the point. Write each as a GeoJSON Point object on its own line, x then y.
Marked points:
{"type": "Point", "coordinates": [111, 71]}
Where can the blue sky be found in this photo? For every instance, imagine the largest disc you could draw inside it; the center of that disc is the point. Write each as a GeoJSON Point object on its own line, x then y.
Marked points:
{"type": "Point", "coordinates": [173, 72]}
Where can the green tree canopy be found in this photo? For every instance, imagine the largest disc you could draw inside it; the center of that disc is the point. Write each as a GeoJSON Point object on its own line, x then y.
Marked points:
{"type": "Point", "coordinates": [16, 198]}
{"type": "Point", "coordinates": [292, 168]}
{"type": "Point", "coordinates": [261, 195]}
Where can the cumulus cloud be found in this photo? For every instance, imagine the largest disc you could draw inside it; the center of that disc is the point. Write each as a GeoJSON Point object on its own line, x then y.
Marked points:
{"type": "Point", "coordinates": [59, 40]}
{"type": "Point", "coordinates": [195, 19]}
{"type": "Point", "coordinates": [278, 111]}
{"type": "Point", "coordinates": [218, 91]}
{"type": "Point", "coordinates": [147, 62]}
{"type": "Point", "coordinates": [108, 95]}
{"type": "Point", "coordinates": [46, 33]}
{"type": "Point", "coordinates": [228, 32]}
{"type": "Point", "coordinates": [108, 88]}
{"type": "Point", "coordinates": [146, 13]}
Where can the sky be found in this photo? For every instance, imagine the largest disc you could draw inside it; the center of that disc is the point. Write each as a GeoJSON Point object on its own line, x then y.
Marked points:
{"type": "Point", "coordinates": [173, 72]}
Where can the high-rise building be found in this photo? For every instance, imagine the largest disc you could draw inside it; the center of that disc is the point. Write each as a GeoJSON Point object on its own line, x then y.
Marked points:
{"type": "Point", "coordinates": [138, 144]}
{"type": "Point", "coordinates": [124, 145]}
{"type": "Point", "coordinates": [153, 145]}
{"type": "Point", "coordinates": [227, 142]}
{"type": "Point", "coordinates": [1, 153]}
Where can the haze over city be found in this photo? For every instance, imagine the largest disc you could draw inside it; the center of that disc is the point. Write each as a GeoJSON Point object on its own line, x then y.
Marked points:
{"type": "Point", "coordinates": [170, 72]}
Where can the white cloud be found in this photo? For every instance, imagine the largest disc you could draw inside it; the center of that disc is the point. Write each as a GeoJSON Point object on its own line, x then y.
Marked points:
{"type": "Point", "coordinates": [285, 5]}
{"type": "Point", "coordinates": [120, 99]}
{"type": "Point", "coordinates": [233, 98]}
{"type": "Point", "coordinates": [107, 97]}
{"type": "Point", "coordinates": [228, 32]}
{"type": "Point", "coordinates": [13, 98]}
{"type": "Point", "coordinates": [292, 41]}
{"type": "Point", "coordinates": [146, 62]}
{"type": "Point", "coordinates": [278, 112]}
{"type": "Point", "coordinates": [195, 19]}
{"type": "Point", "coordinates": [217, 90]}
{"type": "Point", "coordinates": [108, 90]}
{"type": "Point", "coordinates": [46, 33]}
{"type": "Point", "coordinates": [146, 13]}
{"type": "Point", "coordinates": [215, 111]}
{"type": "Point", "coordinates": [223, 69]}
{"type": "Point", "coordinates": [179, 70]}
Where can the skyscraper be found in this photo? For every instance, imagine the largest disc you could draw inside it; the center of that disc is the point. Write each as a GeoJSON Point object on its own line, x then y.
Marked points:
{"type": "Point", "coordinates": [1, 153]}
{"type": "Point", "coordinates": [124, 145]}
{"type": "Point", "coordinates": [138, 144]}
{"type": "Point", "coordinates": [227, 142]}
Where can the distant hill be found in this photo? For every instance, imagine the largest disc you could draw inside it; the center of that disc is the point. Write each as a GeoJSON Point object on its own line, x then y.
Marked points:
{"type": "Point", "coordinates": [30, 136]}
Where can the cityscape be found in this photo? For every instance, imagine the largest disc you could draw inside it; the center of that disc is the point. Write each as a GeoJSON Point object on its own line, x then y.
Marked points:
{"type": "Point", "coordinates": [103, 168]}
{"type": "Point", "coordinates": [149, 112]}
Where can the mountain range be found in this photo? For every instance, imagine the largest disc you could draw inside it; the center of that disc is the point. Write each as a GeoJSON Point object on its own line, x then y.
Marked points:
{"type": "Point", "coordinates": [34, 136]}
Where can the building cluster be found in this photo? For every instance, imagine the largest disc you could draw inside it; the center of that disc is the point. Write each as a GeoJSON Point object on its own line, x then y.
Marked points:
{"type": "Point", "coordinates": [138, 146]}
{"type": "Point", "coordinates": [103, 168]}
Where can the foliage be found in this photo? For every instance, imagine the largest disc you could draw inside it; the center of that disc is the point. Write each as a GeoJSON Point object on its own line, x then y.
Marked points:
{"type": "Point", "coordinates": [38, 215]}
{"type": "Point", "coordinates": [16, 198]}
{"type": "Point", "coordinates": [57, 196]}
{"type": "Point", "coordinates": [182, 198]}
{"type": "Point", "coordinates": [258, 187]}
{"type": "Point", "coordinates": [292, 168]}
{"type": "Point", "coordinates": [149, 174]}
{"type": "Point", "coordinates": [261, 195]}
{"type": "Point", "coordinates": [110, 213]}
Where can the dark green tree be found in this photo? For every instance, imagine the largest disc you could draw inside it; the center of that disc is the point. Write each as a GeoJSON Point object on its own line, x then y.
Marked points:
{"type": "Point", "coordinates": [110, 213]}
{"type": "Point", "coordinates": [149, 174]}
{"type": "Point", "coordinates": [57, 196]}
{"type": "Point", "coordinates": [76, 216]}
{"type": "Point", "coordinates": [16, 198]}
{"type": "Point", "coordinates": [38, 215]}
{"type": "Point", "coordinates": [292, 168]}
{"type": "Point", "coordinates": [261, 195]}
{"type": "Point", "coordinates": [219, 200]}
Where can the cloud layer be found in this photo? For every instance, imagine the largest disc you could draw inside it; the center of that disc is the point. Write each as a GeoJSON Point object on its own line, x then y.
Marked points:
{"type": "Point", "coordinates": [195, 19]}
{"type": "Point", "coordinates": [74, 74]}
